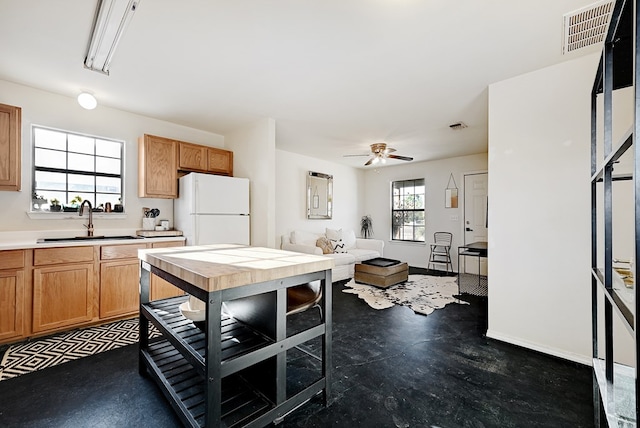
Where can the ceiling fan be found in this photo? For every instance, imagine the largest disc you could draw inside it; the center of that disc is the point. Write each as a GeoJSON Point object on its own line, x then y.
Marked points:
{"type": "Point", "coordinates": [379, 154]}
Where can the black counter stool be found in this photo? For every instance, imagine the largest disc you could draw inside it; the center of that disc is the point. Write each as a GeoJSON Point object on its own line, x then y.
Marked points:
{"type": "Point", "coordinates": [304, 296]}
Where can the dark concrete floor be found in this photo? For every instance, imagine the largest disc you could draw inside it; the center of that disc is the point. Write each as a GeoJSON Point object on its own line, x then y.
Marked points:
{"type": "Point", "coordinates": [391, 368]}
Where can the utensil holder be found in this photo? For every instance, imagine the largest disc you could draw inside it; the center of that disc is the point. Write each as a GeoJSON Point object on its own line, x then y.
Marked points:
{"type": "Point", "coordinates": [148, 223]}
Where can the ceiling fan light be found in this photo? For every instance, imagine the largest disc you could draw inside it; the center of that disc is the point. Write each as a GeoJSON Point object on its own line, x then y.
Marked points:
{"type": "Point", "coordinates": [87, 101]}
{"type": "Point", "coordinates": [375, 160]}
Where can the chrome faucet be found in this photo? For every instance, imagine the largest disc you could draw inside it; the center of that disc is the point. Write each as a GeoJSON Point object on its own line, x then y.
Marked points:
{"type": "Point", "coordinates": [90, 225]}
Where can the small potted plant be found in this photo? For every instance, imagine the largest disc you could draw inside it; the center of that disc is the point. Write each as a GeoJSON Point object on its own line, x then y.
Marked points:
{"type": "Point", "coordinates": [54, 205]}
{"type": "Point", "coordinates": [73, 204]}
{"type": "Point", "coordinates": [366, 226]}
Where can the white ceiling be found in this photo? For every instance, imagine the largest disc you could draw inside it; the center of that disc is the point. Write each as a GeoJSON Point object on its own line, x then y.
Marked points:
{"type": "Point", "coordinates": [336, 75]}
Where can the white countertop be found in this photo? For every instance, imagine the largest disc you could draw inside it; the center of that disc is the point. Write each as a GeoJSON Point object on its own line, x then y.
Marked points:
{"type": "Point", "coordinates": [222, 266]}
{"type": "Point", "coordinates": [17, 240]}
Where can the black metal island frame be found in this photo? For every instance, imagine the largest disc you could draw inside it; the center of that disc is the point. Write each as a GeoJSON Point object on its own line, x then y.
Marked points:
{"type": "Point", "coordinates": [234, 370]}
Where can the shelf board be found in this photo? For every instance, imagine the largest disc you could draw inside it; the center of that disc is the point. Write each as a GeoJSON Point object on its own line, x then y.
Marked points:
{"type": "Point", "coordinates": [625, 143]}
{"type": "Point", "coordinates": [237, 338]}
{"type": "Point", "coordinates": [185, 389]}
{"type": "Point", "coordinates": [617, 299]}
{"type": "Point", "coordinates": [618, 398]}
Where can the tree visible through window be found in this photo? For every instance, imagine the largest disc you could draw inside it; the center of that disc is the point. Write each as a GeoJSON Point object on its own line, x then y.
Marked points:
{"type": "Point", "coordinates": [407, 212]}
{"type": "Point", "coordinates": [69, 166]}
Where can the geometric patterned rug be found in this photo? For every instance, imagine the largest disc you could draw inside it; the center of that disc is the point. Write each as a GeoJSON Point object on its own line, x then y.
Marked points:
{"type": "Point", "coordinates": [476, 285]}
{"type": "Point", "coordinates": [422, 293]}
{"type": "Point", "coordinates": [37, 354]}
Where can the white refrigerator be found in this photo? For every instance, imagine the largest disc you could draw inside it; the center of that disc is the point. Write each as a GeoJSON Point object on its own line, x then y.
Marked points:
{"type": "Point", "coordinates": [212, 209]}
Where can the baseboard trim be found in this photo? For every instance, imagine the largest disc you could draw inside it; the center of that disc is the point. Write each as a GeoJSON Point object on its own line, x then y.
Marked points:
{"type": "Point", "coordinates": [588, 361]}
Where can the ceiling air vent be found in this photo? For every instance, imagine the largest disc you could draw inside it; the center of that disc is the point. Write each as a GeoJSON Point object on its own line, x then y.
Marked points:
{"type": "Point", "coordinates": [587, 26]}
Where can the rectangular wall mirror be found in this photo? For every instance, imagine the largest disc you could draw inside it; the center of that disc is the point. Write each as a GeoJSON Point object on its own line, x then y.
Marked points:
{"type": "Point", "coordinates": [319, 195]}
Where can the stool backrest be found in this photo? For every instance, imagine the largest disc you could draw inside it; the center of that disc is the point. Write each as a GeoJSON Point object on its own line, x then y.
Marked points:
{"type": "Point", "coordinates": [443, 238]}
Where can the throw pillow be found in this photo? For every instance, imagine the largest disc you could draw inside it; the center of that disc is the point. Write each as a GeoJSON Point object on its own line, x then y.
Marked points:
{"type": "Point", "coordinates": [325, 245]}
{"type": "Point", "coordinates": [338, 246]}
{"type": "Point", "coordinates": [333, 235]}
{"type": "Point", "coordinates": [349, 238]}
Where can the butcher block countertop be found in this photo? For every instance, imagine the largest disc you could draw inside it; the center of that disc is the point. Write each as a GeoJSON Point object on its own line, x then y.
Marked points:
{"type": "Point", "coordinates": [223, 266]}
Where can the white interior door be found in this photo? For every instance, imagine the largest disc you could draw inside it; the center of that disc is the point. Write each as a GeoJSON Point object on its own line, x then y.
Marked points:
{"type": "Point", "coordinates": [475, 217]}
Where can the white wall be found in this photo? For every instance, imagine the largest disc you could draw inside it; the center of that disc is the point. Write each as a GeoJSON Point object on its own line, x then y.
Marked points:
{"type": "Point", "coordinates": [47, 109]}
{"type": "Point", "coordinates": [254, 157]}
{"type": "Point", "coordinates": [291, 202]}
{"type": "Point", "coordinates": [377, 203]}
{"type": "Point", "coordinates": [539, 209]}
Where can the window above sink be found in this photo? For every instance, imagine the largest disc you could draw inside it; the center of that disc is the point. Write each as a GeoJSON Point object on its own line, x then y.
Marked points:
{"type": "Point", "coordinates": [70, 167]}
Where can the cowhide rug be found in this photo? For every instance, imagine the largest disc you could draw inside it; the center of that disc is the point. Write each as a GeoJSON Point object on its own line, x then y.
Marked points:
{"type": "Point", "coordinates": [422, 293]}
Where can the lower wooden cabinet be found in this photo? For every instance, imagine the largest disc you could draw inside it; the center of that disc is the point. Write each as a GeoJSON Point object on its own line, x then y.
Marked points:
{"type": "Point", "coordinates": [119, 288]}
{"type": "Point", "coordinates": [159, 288]}
{"type": "Point", "coordinates": [13, 285]}
{"type": "Point", "coordinates": [12, 304]}
{"type": "Point", "coordinates": [62, 296]}
{"type": "Point", "coordinates": [52, 289]}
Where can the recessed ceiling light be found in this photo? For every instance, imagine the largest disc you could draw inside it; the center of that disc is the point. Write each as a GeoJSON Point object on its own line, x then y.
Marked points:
{"type": "Point", "coordinates": [88, 101]}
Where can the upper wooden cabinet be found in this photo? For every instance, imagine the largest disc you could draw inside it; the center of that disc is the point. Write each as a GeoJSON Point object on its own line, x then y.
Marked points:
{"type": "Point", "coordinates": [220, 161]}
{"type": "Point", "coordinates": [194, 157]}
{"type": "Point", "coordinates": [160, 159]}
{"type": "Point", "coordinates": [10, 147]}
{"type": "Point", "coordinates": [157, 167]}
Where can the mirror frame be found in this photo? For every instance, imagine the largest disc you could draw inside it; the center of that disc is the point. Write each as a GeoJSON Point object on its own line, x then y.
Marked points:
{"type": "Point", "coordinates": [319, 196]}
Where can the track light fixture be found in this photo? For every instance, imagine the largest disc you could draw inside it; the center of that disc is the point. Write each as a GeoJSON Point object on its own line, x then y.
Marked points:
{"type": "Point", "coordinates": [111, 20]}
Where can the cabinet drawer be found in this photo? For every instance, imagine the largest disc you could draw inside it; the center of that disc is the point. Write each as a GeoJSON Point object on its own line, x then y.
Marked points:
{"type": "Point", "coordinates": [12, 259]}
{"type": "Point", "coordinates": [167, 244]}
{"type": "Point", "coordinates": [50, 256]}
{"type": "Point", "coordinates": [113, 252]}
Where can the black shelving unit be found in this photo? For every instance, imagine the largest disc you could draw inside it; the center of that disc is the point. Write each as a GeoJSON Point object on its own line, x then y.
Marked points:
{"type": "Point", "coordinates": [615, 385]}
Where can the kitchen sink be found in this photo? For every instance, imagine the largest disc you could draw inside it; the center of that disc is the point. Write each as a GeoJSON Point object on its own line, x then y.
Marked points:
{"type": "Point", "coordinates": [87, 238]}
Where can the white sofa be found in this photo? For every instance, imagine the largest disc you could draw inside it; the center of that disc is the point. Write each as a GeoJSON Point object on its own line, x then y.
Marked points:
{"type": "Point", "coordinates": [356, 249]}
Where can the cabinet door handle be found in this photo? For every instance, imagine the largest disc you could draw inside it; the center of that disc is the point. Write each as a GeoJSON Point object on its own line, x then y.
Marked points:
{"type": "Point", "coordinates": [468, 229]}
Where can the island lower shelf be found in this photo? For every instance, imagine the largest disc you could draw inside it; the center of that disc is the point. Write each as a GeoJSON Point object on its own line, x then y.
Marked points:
{"type": "Point", "coordinates": [185, 388]}
{"type": "Point", "coordinates": [237, 339]}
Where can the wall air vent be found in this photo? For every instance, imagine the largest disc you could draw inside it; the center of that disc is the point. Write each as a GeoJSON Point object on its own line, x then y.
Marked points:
{"type": "Point", "coordinates": [458, 125]}
{"type": "Point", "coordinates": [587, 26]}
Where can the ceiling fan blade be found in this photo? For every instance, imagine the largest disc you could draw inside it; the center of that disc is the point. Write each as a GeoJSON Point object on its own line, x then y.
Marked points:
{"type": "Point", "coordinates": [369, 162]}
{"type": "Point", "coordinates": [389, 150]}
{"type": "Point", "coordinates": [350, 156]}
{"type": "Point", "coordinates": [404, 158]}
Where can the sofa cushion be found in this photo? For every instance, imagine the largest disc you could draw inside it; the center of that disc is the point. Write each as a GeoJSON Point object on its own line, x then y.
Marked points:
{"type": "Point", "coordinates": [363, 254]}
{"type": "Point", "coordinates": [325, 245]}
{"type": "Point", "coordinates": [341, 259]}
{"type": "Point", "coordinates": [304, 238]}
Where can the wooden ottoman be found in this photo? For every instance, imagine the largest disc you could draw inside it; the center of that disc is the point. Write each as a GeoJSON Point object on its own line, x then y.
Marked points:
{"type": "Point", "coordinates": [381, 272]}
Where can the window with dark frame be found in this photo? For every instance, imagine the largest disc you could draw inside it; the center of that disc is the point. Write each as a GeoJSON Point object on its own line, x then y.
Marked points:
{"type": "Point", "coordinates": [68, 166]}
{"type": "Point", "coordinates": [407, 210]}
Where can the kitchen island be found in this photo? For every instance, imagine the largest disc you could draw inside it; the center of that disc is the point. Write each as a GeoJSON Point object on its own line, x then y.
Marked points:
{"type": "Point", "coordinates": [234, 370]}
